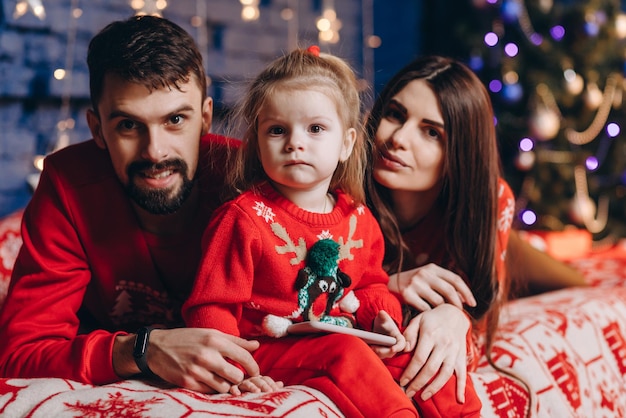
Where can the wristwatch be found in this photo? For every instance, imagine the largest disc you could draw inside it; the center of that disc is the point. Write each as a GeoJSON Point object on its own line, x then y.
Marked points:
{"type": "Point", "coordinates": [140, 349]}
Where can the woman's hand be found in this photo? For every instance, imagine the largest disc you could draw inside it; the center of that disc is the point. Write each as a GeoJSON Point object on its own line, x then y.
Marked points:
{"type": "Point", "coordinates": [429, 286]}
{"type": "Point", "coordinates": [439, 337]}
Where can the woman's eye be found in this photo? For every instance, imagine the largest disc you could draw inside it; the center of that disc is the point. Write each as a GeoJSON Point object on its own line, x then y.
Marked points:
{"type": "Point", "coordinates": [433, 133]}
{"type": "Point", "coordinates": [393, 114]}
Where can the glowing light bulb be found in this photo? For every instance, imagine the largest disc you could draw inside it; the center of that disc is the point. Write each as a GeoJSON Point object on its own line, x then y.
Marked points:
{"type": "Point", "coordinates": [528, 217]}
{"type": "Point", "coordinates": [613, 129]}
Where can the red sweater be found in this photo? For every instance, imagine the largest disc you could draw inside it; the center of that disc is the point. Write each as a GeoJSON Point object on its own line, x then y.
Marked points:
{"type": "Point", "coordinates": [254, 249]}
{"type": "Point", "coordinates": [427, 244]}
{"type": "Point", "coordinates": [427, 241]}
{"type": "Point", "coordinates": [87, 271]}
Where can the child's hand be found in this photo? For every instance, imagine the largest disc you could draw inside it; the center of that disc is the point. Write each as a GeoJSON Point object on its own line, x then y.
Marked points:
{"type": "Point", "coordinates": [384, 324]}
{"type": "Point", "coordinates": [256, 384]}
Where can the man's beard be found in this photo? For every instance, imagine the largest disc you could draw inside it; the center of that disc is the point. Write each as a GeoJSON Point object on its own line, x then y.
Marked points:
{"type": "Point", "coordinates": [159, 201]}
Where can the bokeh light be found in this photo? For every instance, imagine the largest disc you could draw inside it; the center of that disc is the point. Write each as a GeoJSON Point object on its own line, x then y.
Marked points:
{"type": "Point", "coordinates": [528, 217]}
{"type": "Point", "coordinates": [592, 163]}
{"type": "Point", "coordinates": [536, 39]}
{"type": "Point", "coordinates": [613, 129]}
{"type": "Point", "coordinates": [526, 144]}
{"type": "Point", "coordinates": [557, 32]}
{"type": "Point", "coordinates": [491, 39]}
{"type": "Point", "coordinates": [511, 49]}
{"type": "Point", "coordinates": [495, 86]}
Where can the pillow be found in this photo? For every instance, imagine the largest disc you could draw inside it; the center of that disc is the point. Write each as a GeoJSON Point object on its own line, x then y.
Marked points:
{"type": "Point", "coordinates": [569, 244]}
{"type": "Point", "coordinates": [10, 243]}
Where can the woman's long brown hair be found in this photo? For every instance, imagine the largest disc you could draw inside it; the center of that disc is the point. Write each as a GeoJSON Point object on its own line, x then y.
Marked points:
{"type": "Point", "coordinates": [468, 197]}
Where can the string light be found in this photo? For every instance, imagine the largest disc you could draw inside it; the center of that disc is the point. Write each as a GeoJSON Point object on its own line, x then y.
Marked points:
{"type": "Point", "coordinates": [66, 123]}
{"type": "Point", "coordinates": [593, 223]}
{"type": "Point", "coordinates": [328, 25]}
{"type": "Point", "coordinates": [586, 136]}
{"type": "Point", "coordinates": [36, 6]}
{"type": "Point", "coordinates": [148, 7]}
{"type": "Point", "coordinates": [291, 15]}
{"type": "Point", "coordinates": [250, 10]}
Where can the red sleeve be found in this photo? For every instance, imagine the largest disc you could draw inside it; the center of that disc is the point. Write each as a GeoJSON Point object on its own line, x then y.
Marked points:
{"type": "Point", "coordinates": [226, 273]}
{"type": "Point", "coordinates": [372, 290]}
{"type": "Point", "coordinates": [39, 323]}
{"type": "Point", "coordinates": [506, 210]}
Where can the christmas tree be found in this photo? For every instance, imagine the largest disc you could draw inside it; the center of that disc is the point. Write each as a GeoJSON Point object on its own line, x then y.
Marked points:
{"type": "Point", "coordinates": [555, 72]}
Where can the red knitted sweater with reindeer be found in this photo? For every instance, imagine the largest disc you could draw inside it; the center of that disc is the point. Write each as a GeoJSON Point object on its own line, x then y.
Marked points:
{"type": "Point", "coordinates": [254, 249]}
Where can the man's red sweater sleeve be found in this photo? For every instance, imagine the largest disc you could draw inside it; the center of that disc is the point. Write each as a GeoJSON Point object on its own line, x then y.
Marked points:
{"type": "Point", "coordinates": [39, 323]}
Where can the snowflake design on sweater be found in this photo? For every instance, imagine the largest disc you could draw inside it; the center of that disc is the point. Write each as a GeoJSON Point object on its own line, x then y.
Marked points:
{"type": "Point", "coordinates": [360, 210]}
{"type": "Point", "coordinates": [264, 211]}
{"type": "Point", "coordinates": [506, 216]}
{"type": "Point", "coordinates": [325, 235]}
{"type": "Point", "coordinates": [117, 405]}
{"type": "Point", "coordinates": [9, 247]}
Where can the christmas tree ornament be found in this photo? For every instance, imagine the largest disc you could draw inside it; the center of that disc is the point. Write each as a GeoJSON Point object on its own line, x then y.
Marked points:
{"type": "Point", "coordinates": [583, 208]}
{"type": "Point", "coordinates": [544, 124]}
{"type": "Point", "coordinates": [574, 82]}
{"type": "Point", "coordinates": [593, 96]}
{"type": "Point", "coordinates": [525, 160]}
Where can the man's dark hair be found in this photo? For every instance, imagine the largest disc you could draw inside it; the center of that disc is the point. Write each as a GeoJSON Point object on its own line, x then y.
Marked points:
{"type": "Point", "coordinates": [147, 50]}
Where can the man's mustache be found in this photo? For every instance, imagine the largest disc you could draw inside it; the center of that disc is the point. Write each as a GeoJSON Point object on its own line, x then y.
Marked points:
{"type": "Point", "coordinates": [137, 167]}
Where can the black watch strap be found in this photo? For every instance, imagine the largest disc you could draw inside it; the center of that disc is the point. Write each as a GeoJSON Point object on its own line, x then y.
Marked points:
{"type": "Point", "coordinates": [140, 351]}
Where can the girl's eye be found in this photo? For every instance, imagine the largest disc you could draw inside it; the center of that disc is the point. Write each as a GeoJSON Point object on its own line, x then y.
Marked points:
{"type": "Point", "coordinates": [316, 129]}
{"type": "Point", "coordinates": [276, 130]}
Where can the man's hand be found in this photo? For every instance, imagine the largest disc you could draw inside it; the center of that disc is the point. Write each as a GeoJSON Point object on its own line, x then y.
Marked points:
{"type": "Point", "coordinates": [203, 360]}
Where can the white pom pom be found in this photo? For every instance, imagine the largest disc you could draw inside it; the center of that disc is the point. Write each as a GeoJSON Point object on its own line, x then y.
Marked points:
{"type": "Point", "coordinates": [275, 326]}
{"type": "Point", "coordinates": [349, 303]}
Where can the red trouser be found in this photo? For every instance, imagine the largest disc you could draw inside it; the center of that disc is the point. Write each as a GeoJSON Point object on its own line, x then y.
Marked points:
{"type": "Point", "coordinates": [342, 367]}
{"type": "Point", "coordinates": [442, 404]}
{"type": "Point", "coordinates": [346, 370]}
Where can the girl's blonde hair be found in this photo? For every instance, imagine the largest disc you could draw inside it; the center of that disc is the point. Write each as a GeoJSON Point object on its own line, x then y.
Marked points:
{"type": "Point", "coordinates": [302, 70]}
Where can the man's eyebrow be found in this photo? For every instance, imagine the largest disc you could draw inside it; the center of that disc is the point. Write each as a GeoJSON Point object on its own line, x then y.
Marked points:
{"type": "Point", "coordinates": [121, 114]}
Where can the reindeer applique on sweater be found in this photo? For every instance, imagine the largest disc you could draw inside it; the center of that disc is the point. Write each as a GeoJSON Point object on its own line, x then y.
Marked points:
{"type": "Point", "coordinates": [321, 277]}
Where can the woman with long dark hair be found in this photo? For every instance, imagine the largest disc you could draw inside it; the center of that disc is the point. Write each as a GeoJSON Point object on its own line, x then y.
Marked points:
{"type": "Point", "coordinates": [435, 184]}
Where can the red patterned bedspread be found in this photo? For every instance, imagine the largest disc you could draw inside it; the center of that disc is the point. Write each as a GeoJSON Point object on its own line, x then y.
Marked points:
{"type": "Point", "coordinates": [561, 354]}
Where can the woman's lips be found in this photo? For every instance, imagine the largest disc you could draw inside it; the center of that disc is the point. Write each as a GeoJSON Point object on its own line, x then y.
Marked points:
{"type": "Point", "coordinates": [391, 160]}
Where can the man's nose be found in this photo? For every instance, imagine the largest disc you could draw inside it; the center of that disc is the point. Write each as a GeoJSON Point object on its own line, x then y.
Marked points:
{"type": "Point", "coordinates": [155, 145]}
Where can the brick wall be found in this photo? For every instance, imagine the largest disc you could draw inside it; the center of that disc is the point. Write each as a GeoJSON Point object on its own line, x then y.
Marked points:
{"type": "Point", "coordinates": [32, 101]}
